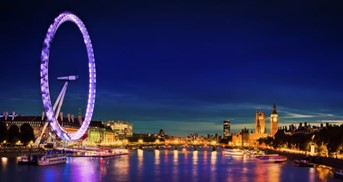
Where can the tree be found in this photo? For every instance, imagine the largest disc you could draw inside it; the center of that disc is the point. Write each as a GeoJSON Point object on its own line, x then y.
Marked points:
{"type": "Point", "coordinates": [280, 139]}
{"type": "Point", "coordinates": [26, 133]}
{"type": "Point", "coordinates": [300, 140]}
{"type": "Point", "coordinates": [13, 134]}
{"type": "Point", "coordinates": [268, 141]}
{"type": "Point", "coordinates": [3, 131]}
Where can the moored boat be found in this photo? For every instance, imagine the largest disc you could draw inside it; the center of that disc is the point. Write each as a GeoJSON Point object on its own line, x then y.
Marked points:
{"type": "Point", "coordinates": [50, 159]}
{"type": "Point", "coordinates": [113, 152]}
{"type": "Point", "coordinates": [95, 152]}
{"type": "Point", "coordinates": [25, 159]}
{"type": "Point", "coordinates": [256, 153]}
{"type": "Point", "coordinates": [233, 152]}
{"type": "Point", "coordinates": [338, 173]}
{"type": "Point", "coordinates": [303, 163]}
{"type": "Point", "coordinates": [272, 158]}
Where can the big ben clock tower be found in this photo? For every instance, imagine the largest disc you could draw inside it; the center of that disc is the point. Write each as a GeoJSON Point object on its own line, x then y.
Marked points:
{"type": "Point", "coordinates": [274, 121]}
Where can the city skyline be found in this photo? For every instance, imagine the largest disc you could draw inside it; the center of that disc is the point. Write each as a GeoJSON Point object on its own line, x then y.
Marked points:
{"type": "Point", "coordinates": [183, 66]}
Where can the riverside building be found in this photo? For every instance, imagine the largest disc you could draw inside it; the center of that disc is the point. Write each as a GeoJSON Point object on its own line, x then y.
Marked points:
{"type": "Point", "coordinates": [226, 129]}
{"type": "Point", "coordinates": [98, 132]}
{"type": "Point", "coordinates": [246, 138]}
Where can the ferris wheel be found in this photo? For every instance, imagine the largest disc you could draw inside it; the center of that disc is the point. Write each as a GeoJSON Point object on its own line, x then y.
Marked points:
{"type": "Point", "coordinates": [50, 110]}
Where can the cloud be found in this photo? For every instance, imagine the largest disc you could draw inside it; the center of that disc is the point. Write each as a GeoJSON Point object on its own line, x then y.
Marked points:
{"type": "Point", "coordinates": [291, 115]}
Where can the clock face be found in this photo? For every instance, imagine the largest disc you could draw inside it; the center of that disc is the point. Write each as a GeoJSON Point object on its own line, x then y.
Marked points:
{"type": "Point", "coordinates": [274, 119]}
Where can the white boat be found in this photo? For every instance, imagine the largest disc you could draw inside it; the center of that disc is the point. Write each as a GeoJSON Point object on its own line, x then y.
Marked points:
{"type": "Point", "coordinates": [106, 152]}
{"type": "Point", "coordinates": [272, 158]}
{"type": "Point", "coordinates": [256, 153]}
{"type": "Point", "coordinates": [94, 152]}
{"type": "Point", "coordinates": [24, 159]}
{"type": "Point", "coordinates": [233, 152]}
{"type": "Point", "coordinates": [50, 159]}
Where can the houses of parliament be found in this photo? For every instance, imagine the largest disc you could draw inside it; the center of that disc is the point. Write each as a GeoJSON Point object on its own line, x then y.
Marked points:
{"type": "Point", "coordinates": [246, 138]}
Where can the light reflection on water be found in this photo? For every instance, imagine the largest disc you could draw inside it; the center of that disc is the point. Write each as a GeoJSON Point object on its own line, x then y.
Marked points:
{"type": "Point", "coordinates": [140, 158]}
{"type": "Point", "coordinates": [205, 157]}
{"type": "Point", "coordinates": [175, 164]}
{"type": "Point", "coordinates": [213, 165]}
{"type": "Point", "coordinates": [4, 161]}
{"type": "Point", "coordinates": [167, 165]}
{"type": "Point", "coordinates": [157, 157]}
{"type": "Point", "coordinates": [273, 173]}
{"type": "Point", "coordinates": [195, 165]}
{"type": "Point", "coordinates": [83, 170]}
{"type": "Point", "coordinates": [323, 172]}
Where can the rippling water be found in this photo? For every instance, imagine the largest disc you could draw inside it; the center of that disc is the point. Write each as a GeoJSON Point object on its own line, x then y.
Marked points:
{"type": "Point", "coordinates": [164, 165]}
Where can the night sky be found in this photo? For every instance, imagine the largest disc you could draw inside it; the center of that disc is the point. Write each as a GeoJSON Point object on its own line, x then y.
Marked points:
{"type": "Point", "coordinates": [184, 66]}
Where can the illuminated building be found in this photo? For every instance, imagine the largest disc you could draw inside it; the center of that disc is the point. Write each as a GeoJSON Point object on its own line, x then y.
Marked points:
{"type": "Point", "coordinates": [97, 132]}
{"type": "Point", "coordinates": [241, 138]}
{"type": "Point", "coordinates": [274, 121]}
{"type": "Point", "coordinates": [260, 127]}
{"type": "Point", "coordinates": [226, 129]}
{"type": "Point", "coordinates": [120, 128]}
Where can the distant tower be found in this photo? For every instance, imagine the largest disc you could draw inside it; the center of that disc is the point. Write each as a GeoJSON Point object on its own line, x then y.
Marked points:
{"type": "Point", "coordinates": [226, 129]}
{"type": "Point", "coordinates": [274, 121]}
{"type": "Point", "coordinates": [79, 116]}
{"type": "Point", "coordinates": [161, 133]}
{"type": "Point", "coordinates": [260, 127]}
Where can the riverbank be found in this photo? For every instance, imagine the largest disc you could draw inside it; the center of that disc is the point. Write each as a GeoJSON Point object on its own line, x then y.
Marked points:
{"type": "Point", "coordinates": [17, 151]}
{"type": "Point", "coordinates": [327, 161]}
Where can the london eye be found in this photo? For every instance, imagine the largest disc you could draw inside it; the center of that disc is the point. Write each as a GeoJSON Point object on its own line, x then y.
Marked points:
{"type": "Point", "coordinates": [50, 110]}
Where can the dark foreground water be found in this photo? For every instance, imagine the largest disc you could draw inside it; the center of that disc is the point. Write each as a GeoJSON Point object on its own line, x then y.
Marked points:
{"type": "Point", "coordinates": [164, 165]}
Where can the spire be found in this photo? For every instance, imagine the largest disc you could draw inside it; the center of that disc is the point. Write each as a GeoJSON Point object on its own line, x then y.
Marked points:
{"type": "Point", "coordinates": [79, 116]}
{"type": "Point", "coordinates": [274, 109]}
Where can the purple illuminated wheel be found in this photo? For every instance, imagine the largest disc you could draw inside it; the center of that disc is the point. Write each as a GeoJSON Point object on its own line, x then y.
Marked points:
{"type": "Point", "coordinates": [67, 16]}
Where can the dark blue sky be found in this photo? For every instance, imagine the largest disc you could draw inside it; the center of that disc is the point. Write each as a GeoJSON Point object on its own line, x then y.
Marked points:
{"type": "Point", "coordinates": [183, 66]}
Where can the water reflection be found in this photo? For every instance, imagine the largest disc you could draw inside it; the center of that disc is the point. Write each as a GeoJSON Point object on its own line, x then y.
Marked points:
{"type": "Point", "coordinates": [213, 157]}
{"type": "Point", "coordinates": [175, 165]}
{"type": "Point", "coordinates": [103, 170]}
{"type": "Point", "coordinates": [175, 157]}
{"type": "Point", "coordinates": [120, 165]}
{"type": "Point", "coordinates": [4, 161]}
{"type": "Point", "coordinates": [195, 165]}
{"type": "Point", "coordinates": [140, 155]}
{"type": "Point", "coordinates": [185, 154]}
{"type": "Point", "coordinates": [82, 170]}
{"type": "Point", "coordinates": [312, 174]}
{"type": "Point", "coordinates": [273, 172]}
{"type": "Point", "coordinates": [323, 172]}
{"type": "Point", "coordinates": [213, 166]}
{"type": "Point", "coordinates": [164, 165]}
{"type": "Point", "coordinates": [165, 155]}
{"type": "Point", "coordinates": [205, 157]}
{"type": "Point", "coordinates": [157, 157]}
{"type": "Point", "coordinates": [49, 174]}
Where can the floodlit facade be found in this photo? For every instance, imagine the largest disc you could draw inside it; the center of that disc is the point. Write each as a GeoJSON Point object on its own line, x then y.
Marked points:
{"type": "Point", "coordinates": [274, 121]}
{"type": "Point", "coordinates": [260, 127]}
{"type": "Point", "coordinates": [226, 129]}
{"type": "Point", "coordinates": [97, 133]}
{"type": "Point", "coordinates": [120, 128]}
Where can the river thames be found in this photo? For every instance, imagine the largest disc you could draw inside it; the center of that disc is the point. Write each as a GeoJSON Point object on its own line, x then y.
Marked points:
{"type": "Point", "coordinates": [164, 165]}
